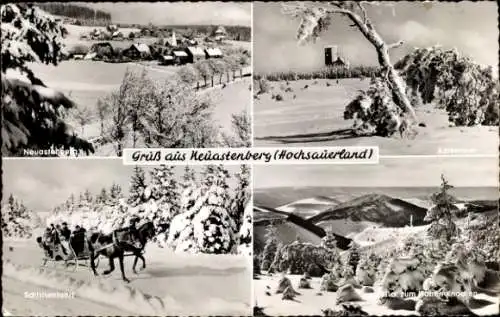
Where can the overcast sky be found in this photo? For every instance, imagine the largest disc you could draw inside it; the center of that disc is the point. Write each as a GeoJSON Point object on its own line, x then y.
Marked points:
{"type": "Point", "coordinates": [471, 27]}
{"type": "Point", "coordinates": [165, 13]}
{"type": "Point", "coordinates": [44, 183]}
{"type": "Point", "coordinates": [404, 172]}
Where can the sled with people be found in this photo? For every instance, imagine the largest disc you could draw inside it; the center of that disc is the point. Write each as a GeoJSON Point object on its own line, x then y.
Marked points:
{"type": "Point", "coordinates": [73, 249]}
{"type": "Point", "coordinates": [63, 246]}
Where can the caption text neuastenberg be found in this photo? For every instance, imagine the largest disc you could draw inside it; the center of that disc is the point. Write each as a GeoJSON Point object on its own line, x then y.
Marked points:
{"type": "Point", "coordinates": [294, 155]}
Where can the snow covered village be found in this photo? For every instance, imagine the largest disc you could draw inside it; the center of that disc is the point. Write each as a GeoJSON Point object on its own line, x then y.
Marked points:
{"type": "Point", "coordinates": [201, 233]}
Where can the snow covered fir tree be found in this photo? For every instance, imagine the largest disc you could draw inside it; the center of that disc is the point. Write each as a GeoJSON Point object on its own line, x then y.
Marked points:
{"type": "Point", "coordinates": [17, 220]}
{"type": "Point", "coordinates": [194, 210]}
{"type": "Point", "coordinates": [32, 113]}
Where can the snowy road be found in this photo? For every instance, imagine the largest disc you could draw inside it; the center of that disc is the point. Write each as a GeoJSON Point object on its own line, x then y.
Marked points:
{"type": "Point", "coordinates": [16, 303]}
{"type": "Point", "coordinates": [186, 285]}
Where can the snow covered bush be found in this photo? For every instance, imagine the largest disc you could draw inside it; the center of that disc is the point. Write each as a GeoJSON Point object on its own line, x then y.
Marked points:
{"type": "Point", "coordinates": [304, 283]}
{"type": "Point", "coordinates": [204, 224]}
{"type": "Point", "coordinates": [467, 91]}
{"type": "Point", "coordinates": [469, 259]}
{"type": "Point", "coordinates": [367, 269]}
{"type": "Point", "coordinates": [403, 274]}
{"type": "Point", "coordinates": [448, 280]}
{"type": "Point", "coordinates": [297, 258]}
{"type": "Point", "coordinates": [375, 113]}
{"type": "Point", "coordinates": [329, 282]}
{"type": "Point", "coordinates": [485, 236]}
{"type": "Point", "coordinates": [242, 131]}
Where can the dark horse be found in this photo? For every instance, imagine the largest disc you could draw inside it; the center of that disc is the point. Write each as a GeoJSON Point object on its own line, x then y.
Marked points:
{"type": "Point", "coordinates": [115, 245]}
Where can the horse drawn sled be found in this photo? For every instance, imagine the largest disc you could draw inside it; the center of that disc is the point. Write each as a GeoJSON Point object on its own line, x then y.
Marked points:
{"type": "Point", "coordinates": [82, 248]}
{"type": "Point", "coordinates": [72, 253]}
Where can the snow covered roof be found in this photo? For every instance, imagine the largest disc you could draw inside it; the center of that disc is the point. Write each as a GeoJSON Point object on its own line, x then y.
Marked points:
{"type": "Point", "coordinates": [213, 51]}
{"type": "Point", "coordinates": [167, 57]}
{"type": "Point", "coordinates": [195, 51]}
{"type": "Point", "coordinates": [220, 31]}
{"type": "Point", "coordinates": [180, 53]}
{"type": "Point", "coordinates": [90, 55]}
{"type": "Point", "coordinates": [143, 48]}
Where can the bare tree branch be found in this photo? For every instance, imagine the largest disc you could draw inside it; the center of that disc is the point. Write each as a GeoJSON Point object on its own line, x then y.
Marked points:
{"type": "Point", "coordinates": [363, 11]}
{"type": "Point", "coordinates": [395, 45]}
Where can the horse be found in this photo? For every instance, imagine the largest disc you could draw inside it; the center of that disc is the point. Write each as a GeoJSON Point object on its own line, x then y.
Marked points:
{"type": "Point", "coordinates": [115, 244]}
{"type": "Point", "coordinates": [144, 233]}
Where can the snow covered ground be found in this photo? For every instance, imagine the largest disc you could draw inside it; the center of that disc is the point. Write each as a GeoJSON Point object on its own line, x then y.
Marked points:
{"type": "Point", "coordinates": [171, 284]}
{"type": "Point", "coordinates": [310, 302]}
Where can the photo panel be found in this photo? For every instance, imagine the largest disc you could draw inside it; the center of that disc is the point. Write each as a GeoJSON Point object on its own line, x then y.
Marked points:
{"type": "Point", "coordinates": [409, 77]}
{"type": "Point", "coordinates": [109, 76]}
{"type": "Point", "coordinates": [163, 240]}
{"type": "Point", "coordinates": [405, 236]}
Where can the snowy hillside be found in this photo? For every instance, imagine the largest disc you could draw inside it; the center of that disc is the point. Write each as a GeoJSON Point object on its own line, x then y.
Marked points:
{"type": "Point", "coordinates": [309, 207]}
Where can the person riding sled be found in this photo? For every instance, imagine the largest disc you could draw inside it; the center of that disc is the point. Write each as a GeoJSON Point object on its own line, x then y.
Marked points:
{"type": "Point", "coordinates": [45, 242]}
{"type": "Point", "coordinates": [129, 235]}
{"type": "Point", "coordinates": [65, 232]}
{"type": "Point", "coordinates": [61, 238]}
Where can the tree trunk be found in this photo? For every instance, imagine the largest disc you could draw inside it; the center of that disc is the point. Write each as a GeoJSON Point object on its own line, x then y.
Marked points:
{"type": "Point", "coordinates": [395, 81]}
{"type": "Point", "coordinates": [102, 127]}
{"type": "Point", "coordinates": [212, 81]}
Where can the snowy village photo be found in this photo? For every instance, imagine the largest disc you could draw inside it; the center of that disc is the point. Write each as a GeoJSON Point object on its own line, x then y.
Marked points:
{"type": "Point", "coordinates": [115, 240]}
{"type": "Point", "coordinates": [91, 79]}
{"type": "Point", "coordinates": [409, 77]}
{"type": "Point", "coordinates": [354, 240]}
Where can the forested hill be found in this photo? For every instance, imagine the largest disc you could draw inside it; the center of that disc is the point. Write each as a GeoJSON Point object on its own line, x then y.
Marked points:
{"type": "Point", "coordinates": [84, 15]}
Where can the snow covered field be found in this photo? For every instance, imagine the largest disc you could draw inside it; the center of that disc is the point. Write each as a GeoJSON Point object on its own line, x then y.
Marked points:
{"type": "Point", "coordinates": [313, 116]}
{"type": "Point", "coordinates": [171, 284]}
{"type": "Point", "coordinates": [310, 302]}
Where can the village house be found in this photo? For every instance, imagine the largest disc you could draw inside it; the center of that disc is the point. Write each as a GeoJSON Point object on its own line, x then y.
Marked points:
{"type": "Point", "coordinates": [103, 49]}
{"type": "Point", "coordinates": [166, 60]}
{"type": "Point", "coordinates": [195, 54]}
{"type": "Point", "coordinates": [180, 57]}
{"type": "Point", "coordinates": [220, 34]}
{"type": "Point", "coordinates": [137, 51]}
{"type": "Point", "coordinates": [213, 53]}
{"type": "Point", "coordinates": [117, 35]}
{"type": "Point", "coordinates": [340, 62]}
